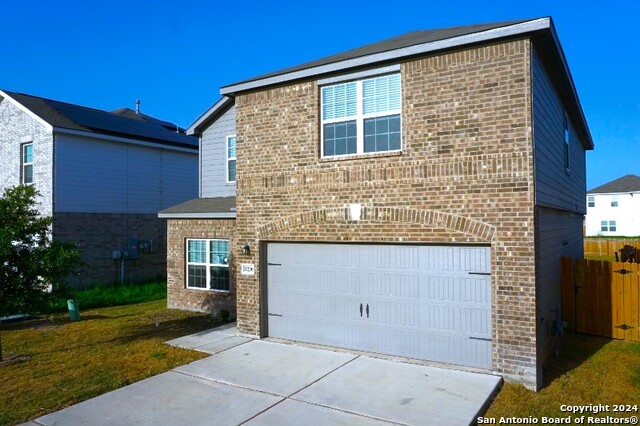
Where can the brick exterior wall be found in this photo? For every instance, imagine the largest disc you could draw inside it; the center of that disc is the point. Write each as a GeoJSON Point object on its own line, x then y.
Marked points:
{"type": "Point", "coordinates": [18, 127]}
{"type": "Point", "coordinates": [465, 174]}
{"type": "Point", "coordinates": [178, 295]}
{"type": "Point", "coordinates": [97, 234]}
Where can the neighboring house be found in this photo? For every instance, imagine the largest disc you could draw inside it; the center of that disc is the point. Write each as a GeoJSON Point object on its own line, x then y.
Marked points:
{"type": "Point", "coordinates": [613, 209]}
{"type": "Point", "coordinates": [412, 197]}
{"type": "Point", "coordinates": [102, 176]}
{"type": "Point", "coordinates": [200, 232]}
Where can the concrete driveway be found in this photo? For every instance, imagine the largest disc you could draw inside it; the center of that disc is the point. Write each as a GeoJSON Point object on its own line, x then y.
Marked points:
{"type": "Point", "coordinates": [259, 382]}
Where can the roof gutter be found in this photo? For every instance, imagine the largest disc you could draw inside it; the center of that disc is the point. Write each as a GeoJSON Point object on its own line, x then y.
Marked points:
{"type": "Point", "coordinates": [496, 33]}
{"type": "Point", "coordinates": [110, 138]}
{"type": "Point", "coordinates": [231, 215]}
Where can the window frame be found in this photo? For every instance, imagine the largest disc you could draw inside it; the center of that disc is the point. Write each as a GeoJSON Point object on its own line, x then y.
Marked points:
{"type": "Point", "coordinates": [226, 150]}
{"type": "Point", "coordinates": [608, 224]}
{"type": "Point", "coordinates": [567, 144]}
{"type": "Point", "coordinates": [359, 118]}
{"type": "Point", "coordinates": [591, 201]}
{"type": "Point", "coordinates": [207, 264]}
{"type": "Point", "coordinates": [614, 202]}
{"type": "Point", "coordinates": [24, 164]}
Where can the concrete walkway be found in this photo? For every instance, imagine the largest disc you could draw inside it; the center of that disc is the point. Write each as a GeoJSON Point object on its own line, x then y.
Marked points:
{"type": "Point", "coordinates": [259, 382]}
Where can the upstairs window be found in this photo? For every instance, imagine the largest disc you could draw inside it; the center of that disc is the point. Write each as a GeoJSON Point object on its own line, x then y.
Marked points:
{"type": "Point", "coordinates": [614, 201]}
{"type": "Point", "coordinates": [26, 163]}
{"type": "Point", "coordinates": [567, 140]}
{"type": "Point", "coordinates": [591, 201]}
{"type": "Point", "coordinates": [231, 159]}
{"type": "Point", "coordinates": [608, 226]}
{"type": "Point", "coordinates": [208, 264]}
{"type": "Point", "coordinates": [361, 117]}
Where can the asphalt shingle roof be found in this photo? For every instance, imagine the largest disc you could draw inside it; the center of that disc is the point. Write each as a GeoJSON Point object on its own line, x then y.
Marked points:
{"type": "Point", "coordinates": [412, 38]}
{"type": "Point", "coordinates": [203, 206]}
{"type": "Point", "coordinates": [118, 123]}
{"type": "Point", "coordinates": [627, 183]}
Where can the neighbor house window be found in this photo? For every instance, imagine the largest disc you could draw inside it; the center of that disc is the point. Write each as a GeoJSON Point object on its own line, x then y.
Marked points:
{"type": "Point", "coordinates": [208, 264]}
{"type": "Point", "coordinates": [591, 201]}
{"type": "Point", "coordinates": [360, 117]}
{"type": "Point", "coordinates": [231, 158]}
{"type": "Point", "coordinates": [608, 226]}
{"type": "Point", "coordinates": [26, 160]}
{"type": "Point", "coordinates": [614, 201]}
{"type": "Point", "coordinates": [567, 139]}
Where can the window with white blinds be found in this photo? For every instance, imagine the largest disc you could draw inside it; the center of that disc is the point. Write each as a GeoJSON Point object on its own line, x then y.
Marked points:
{"type": "Point", "coordinates": [361, 116]}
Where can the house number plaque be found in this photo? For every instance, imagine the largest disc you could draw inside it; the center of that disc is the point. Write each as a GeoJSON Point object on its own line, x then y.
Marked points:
{"type": "Point", "coordinates": [247, 269]}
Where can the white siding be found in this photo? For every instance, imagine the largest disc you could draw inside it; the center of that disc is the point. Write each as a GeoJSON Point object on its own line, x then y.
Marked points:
{"type": "Point", "coordinates": [18, 127]}
{"type": "Point", "coordinates": [98, 176]}
{"type": "Point", "coordinates": [554, 187]}
{"type": "Point", "coordinates": [214, 157]}
{"type": "Point", "coordinates": [626, 215]}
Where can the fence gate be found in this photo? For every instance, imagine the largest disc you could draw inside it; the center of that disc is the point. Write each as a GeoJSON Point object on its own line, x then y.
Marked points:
{"type": "Point", "coordinates": [600, 297]}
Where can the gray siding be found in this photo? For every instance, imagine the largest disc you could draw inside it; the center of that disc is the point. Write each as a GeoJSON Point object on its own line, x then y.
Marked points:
{"type": "Point", "coordinates": [558, 233]}
{"type": "Point", "coordinates": [18, 127]}
{"type": "Point", "coordinates": [554, 187]}
{"type": "Point", "coordinates": [99, 176]}
{"type": "Point", "coordinates": [214, 157]}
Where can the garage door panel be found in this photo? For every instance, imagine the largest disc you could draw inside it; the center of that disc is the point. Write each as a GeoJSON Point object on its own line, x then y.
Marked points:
{"type": "Point", "coordinates": [422, 300]}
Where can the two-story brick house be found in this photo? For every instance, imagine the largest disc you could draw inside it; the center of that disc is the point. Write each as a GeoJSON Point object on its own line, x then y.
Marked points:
{"type": "Point", "coordinates": [102, 176]}
{"type": "Point", "coordinates": [412, 197]}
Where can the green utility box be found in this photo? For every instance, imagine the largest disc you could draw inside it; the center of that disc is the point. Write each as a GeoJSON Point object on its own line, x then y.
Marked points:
{"type": "Point", "coordinates": [74, 309]}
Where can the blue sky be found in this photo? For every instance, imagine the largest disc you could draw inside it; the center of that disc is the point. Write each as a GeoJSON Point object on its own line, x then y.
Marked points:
{"type": "Point", "coordinates": [175, 55]}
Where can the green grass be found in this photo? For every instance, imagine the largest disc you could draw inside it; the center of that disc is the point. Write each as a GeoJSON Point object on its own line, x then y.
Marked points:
{"type": "Point", "coordinates": [68, 362]}
{"type": "Point", "coordinates": [113, 295]}
{"type": "Point", "coordinates": [590, 370]}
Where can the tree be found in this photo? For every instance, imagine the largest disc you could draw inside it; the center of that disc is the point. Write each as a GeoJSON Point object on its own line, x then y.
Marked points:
{"type": "Point", "coordinates": [32, 266]}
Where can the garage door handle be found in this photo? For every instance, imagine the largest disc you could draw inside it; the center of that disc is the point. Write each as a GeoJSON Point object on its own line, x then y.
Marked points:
{"type": "Point", "coordinates": [361, 309]}
{"type": "Point", "coordinates": [367, 310]}
{"type": "Point", "coordinates": [479, 273]}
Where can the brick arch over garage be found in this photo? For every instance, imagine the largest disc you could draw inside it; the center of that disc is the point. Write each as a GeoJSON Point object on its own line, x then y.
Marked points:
{"type": "Point", "coordinates": [465, 225]}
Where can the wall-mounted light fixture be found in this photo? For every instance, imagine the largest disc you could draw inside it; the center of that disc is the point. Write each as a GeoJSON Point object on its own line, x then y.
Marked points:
{"type": "Point", "coordinates": [355, 211]}
{"type": "Point", "coordinates": [246, 250]}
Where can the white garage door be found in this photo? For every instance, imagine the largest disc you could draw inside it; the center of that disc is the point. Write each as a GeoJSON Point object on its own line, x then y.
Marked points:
{"type": "Point", "coordinates": [426, 302]}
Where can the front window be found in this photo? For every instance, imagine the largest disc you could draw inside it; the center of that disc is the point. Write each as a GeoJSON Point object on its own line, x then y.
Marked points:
{"type": "Point", "coordinates": [591, 201]}
{"type": "Point", "coordinates": [614, 201]}
{"type": "Point", "coordinates": [208, 264]}
{"type": "Point", "coordinates": [608, 226]}
{"type": "Point", "coordinates": [231, 159]}
{"type": "Point", "coordinates": [26, 159]}
{"type": "Point", "coordinates": [360, 117]}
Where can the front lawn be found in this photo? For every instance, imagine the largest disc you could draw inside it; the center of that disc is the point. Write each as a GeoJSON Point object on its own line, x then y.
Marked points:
{"type": "Point", "coordinates": [69, 362]}
{"type": "Point", "coordinates": [113, 295]}
{"type": "Point", "coordinates": [590, 370]}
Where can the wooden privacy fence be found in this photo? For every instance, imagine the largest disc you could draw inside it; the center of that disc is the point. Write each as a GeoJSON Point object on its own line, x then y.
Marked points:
{"type": "Point", "coordinates": [600, 297]}
{"type": "Point", "coordinates": [609, 246]}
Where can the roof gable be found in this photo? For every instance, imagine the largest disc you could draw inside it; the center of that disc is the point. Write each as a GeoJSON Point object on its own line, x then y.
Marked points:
{"type": "Point", "coordinates": [627, 183]}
